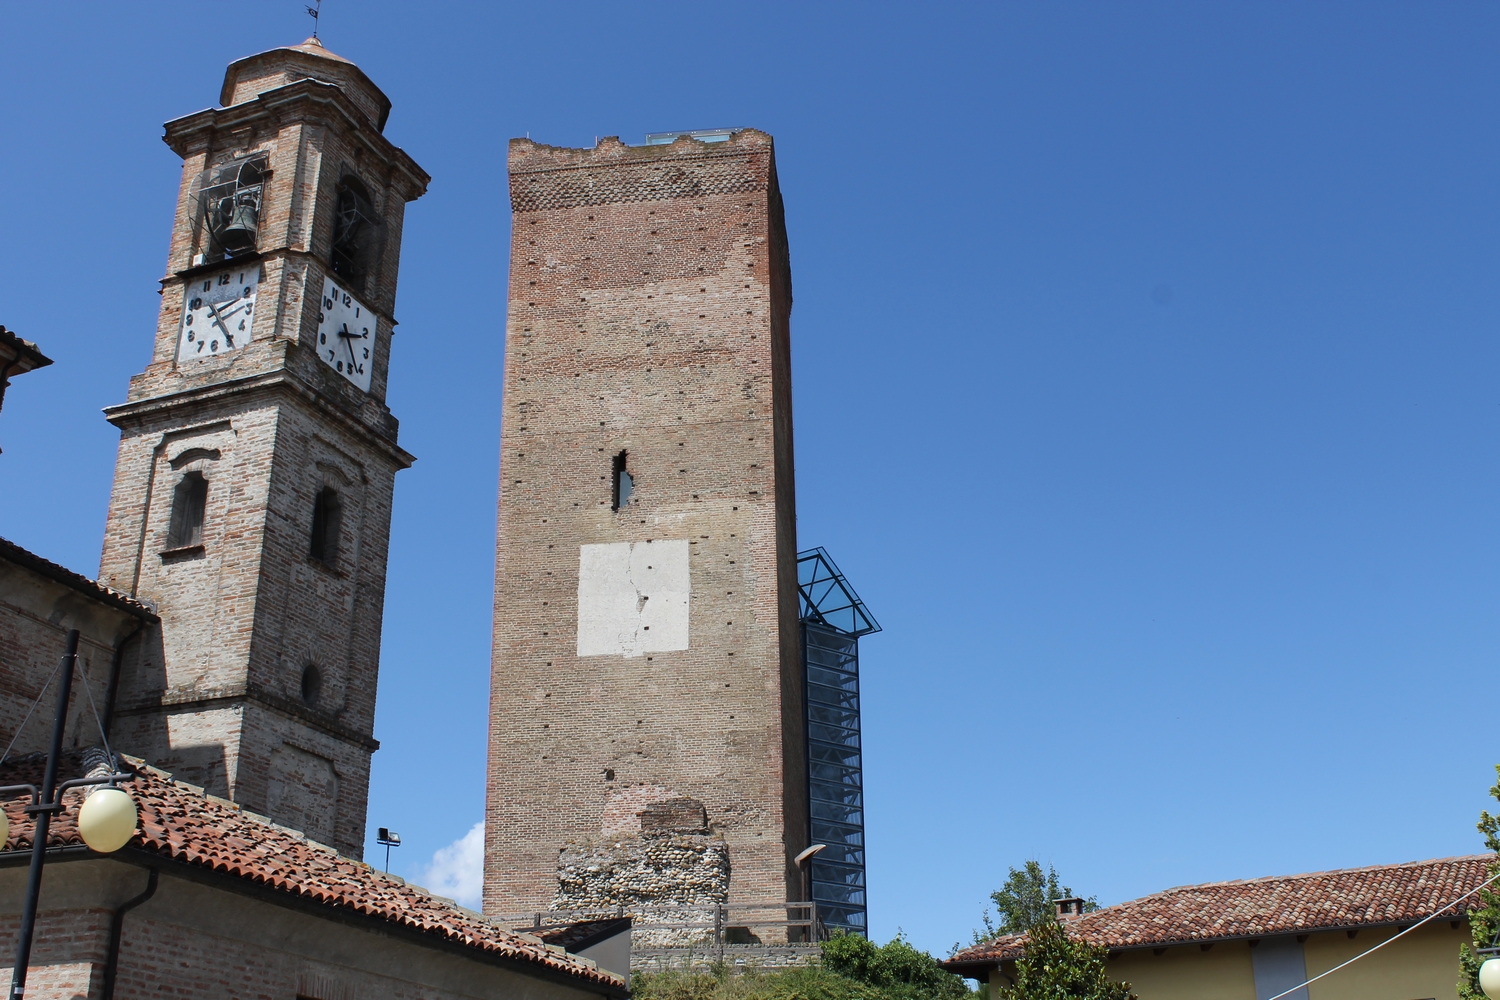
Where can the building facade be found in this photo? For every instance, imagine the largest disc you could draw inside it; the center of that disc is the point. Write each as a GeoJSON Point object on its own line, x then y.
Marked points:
{"type": "Point", "coordinates": [1258, 938]}
{"type": "Point", "coordinates": [252, 493]}
{"type": "Point", "coordinates": [647, 645]}
{"type": "Point", "coordinates": [208, 899]}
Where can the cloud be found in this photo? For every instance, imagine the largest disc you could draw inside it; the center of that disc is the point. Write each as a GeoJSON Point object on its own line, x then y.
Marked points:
{"type": "Point", "coordinates": [457, 871]}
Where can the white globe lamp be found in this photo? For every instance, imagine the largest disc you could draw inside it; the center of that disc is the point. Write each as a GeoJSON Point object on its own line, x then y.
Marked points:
{"type": "Point", "coordinates": [1489, 978]}
{"type": "Point", "coordinates": [106, 820]}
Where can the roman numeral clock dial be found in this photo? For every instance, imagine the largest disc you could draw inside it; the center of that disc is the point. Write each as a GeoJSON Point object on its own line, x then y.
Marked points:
{"type": "Point", "coordinates": [346, 334]}
{"type": "Point", "coordinates": [216, 313]}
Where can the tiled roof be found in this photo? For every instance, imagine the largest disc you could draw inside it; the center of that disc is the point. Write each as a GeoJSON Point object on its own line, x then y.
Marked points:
{"type": "Point", "coordinates": [1382, 895]}
{"type": "Point", "coordinates": [15, 349]}
{"type": "Point", "coordinates": [12, 552]}
{"type": "Point", "coordinates": [179, 822]}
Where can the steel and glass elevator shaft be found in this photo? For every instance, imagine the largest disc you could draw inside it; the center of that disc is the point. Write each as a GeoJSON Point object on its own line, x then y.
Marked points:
{"type": "Point", "coordinates": [833, 619]}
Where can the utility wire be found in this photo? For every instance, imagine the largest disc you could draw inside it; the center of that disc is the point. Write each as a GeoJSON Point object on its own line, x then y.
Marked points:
{"type": "Point", "coordinates": [1388, 940]}
{"type": "Point", "coordinates": [97, 721]}
{"type": "Point", "coordinates": [40, 695]}
{"type": "Point", "coordinates": [43, 693]}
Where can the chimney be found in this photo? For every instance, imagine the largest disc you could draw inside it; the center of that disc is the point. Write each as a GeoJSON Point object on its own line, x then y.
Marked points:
{"type": "Point", "coordinates": [1070, 907]}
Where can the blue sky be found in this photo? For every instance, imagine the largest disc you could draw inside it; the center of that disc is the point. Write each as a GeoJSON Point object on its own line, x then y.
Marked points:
{"type": "Point", "coordinates": [1145, 387]}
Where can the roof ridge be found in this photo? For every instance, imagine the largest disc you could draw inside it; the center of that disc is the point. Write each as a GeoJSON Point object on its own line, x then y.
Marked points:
{"type": "Point", "coordinates": [1294, 877]}
{"type": "Point", "coordinates": [59, 573]}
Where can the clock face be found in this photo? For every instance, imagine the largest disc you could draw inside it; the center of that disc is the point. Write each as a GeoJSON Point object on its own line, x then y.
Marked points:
{"type": "Point", "coordinates": [346, 334]}
{"type": "Point", "coordinates": [216, 313]}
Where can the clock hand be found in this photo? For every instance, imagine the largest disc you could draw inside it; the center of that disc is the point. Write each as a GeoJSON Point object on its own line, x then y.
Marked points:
{"type": "Point", "coordinates": [219, 320]}
{"type": "Point", "coordinates": [349, 339]}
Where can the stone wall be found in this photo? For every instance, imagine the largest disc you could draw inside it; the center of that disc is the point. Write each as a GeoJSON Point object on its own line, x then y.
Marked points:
{"type": "Point", "coordinates": [649, 870]}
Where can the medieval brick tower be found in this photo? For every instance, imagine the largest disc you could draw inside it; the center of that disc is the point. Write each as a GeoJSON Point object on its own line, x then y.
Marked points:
{"type": "Point", "coordinates": [252, 494]}
{"type": "Point", "coordinates": [646, 647]}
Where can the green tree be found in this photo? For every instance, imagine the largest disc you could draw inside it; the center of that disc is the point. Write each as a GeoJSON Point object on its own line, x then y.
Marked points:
{"type": "Point", "coordinates": [852, 969]}
{"type": "Point", "coordinates": [895, 969]}
{"type": "Point", "coordinates": [1028, 898]}
{"type": "Point", "coordinates": [1484, 918]}
{"type": "Point", "coordinates": [1056, 967]}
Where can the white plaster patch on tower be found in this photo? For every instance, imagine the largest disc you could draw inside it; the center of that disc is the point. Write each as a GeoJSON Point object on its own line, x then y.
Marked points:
{"type": "Point", "coordinates": [633, 598]}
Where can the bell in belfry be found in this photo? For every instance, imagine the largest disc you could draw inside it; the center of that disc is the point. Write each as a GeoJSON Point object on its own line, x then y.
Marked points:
{"type": "Point", "coordinates": [244, 221]}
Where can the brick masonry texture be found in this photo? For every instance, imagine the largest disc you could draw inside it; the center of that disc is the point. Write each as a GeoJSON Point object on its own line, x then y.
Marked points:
{"type": "Point", "coordinates": [650, 295]}
{"type": "Point", "coordinates": [39, 602]}
{"type": "Point", "coordinates": [216, 693]}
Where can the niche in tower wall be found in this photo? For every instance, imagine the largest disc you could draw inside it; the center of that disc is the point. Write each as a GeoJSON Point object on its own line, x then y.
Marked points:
{"type": "Point", "coordinates": [303, 792]}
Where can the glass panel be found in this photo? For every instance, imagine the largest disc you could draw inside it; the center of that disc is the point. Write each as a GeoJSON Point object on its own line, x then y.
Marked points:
{"type": "Point", "coordinates": [844, 874]}
{"type": "Point", "coordinates": [832, 832]}
{"type": "Point", "coordinates": [838, 680]}
{"type": "Point", "coordinates": [833, 715]}
{"type": "Point", "coordinates": [834, 892]}
{"type": "Point", "coordinates": [851, 854]}
{"type": "Point", "coordinates": [824, 753]}
{"type": "Point", "coordinates": [831, 734]}
{"type": "Point", "coordinates": [837, 812]}
{"type": "Point", "coordinates": [831, 791]}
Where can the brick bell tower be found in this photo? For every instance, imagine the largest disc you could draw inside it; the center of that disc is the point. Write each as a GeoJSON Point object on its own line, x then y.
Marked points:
{"type": "Point", "coordinates": [252, 493]}
{"type": "Point", "coordinates": [646, 655]}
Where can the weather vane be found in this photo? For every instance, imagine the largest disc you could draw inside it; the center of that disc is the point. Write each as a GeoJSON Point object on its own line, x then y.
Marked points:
{"type": "Point", "coordinates": [313, 12]}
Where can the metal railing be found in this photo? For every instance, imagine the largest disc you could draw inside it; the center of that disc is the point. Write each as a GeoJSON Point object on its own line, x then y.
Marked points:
{"type": "Point", "coordinates": [713, 928]}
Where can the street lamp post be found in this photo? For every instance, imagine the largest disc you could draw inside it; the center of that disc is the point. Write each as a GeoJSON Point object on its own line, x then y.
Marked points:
{"type": "Point", "coordinates": [804, 862]}
{"type": "Point", "coordinates": [106, 820]}
{"type": "Point", "coordinates": [1489, 978]}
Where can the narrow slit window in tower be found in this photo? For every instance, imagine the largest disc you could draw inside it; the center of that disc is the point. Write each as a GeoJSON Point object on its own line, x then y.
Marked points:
{"type": "Point", "coordinates": [624, 482]}
{"type": "Point", "coordinates": [324, 546]}
{"type": "Point", "coordinates": [188, 503]}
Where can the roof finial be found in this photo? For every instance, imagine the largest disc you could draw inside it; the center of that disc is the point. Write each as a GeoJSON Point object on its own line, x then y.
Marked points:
{"type": "Point", "coordinates": [313, 12]}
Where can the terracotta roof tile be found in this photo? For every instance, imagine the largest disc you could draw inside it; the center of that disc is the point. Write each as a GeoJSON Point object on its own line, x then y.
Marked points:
{"type": "Point", "coordinates": [180, 822]}
{"type": "Point", "coordinates": [12, 552]}
{"type": "Point", "coordinates": [1251, 908]}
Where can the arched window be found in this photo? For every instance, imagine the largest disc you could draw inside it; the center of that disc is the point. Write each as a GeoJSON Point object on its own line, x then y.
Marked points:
{"type": "Point", "coordinates": [188, 503]}
{"type": "Point", "coordinates": [325, 527]}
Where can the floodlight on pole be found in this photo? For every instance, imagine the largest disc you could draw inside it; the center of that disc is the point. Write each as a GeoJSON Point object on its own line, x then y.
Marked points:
{"type": "Point", "coordinates": [390, 838]}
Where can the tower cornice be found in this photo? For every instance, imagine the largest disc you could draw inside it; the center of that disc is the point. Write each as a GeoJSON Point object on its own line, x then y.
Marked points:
{"type": "Point", "coordinates": [281, 380]}
{"type": "Point", "coordinates": [185, 134]}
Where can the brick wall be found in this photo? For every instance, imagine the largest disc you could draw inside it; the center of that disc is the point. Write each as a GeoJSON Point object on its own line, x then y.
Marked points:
{"type": "Point", "coordinates": [38, 605]}
{"type": "Point", "coordinates": [649, 302]}
{"type": "Point", "coordinates": [249, 611]}
{"type": "Point", "coordinates": [219, 698]}
{"type": "Point", "coordinates": [194, 940]}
